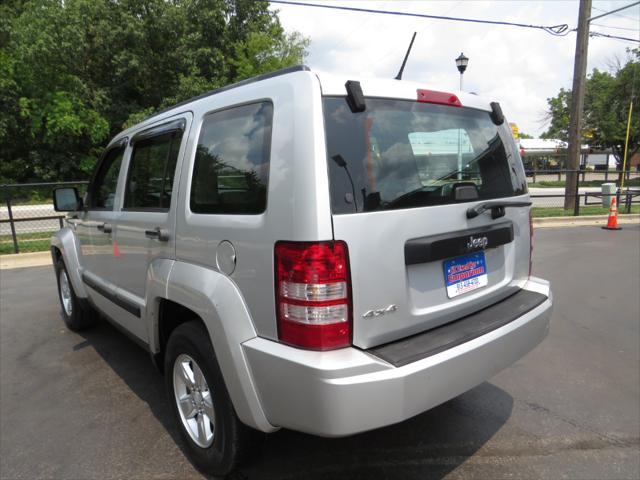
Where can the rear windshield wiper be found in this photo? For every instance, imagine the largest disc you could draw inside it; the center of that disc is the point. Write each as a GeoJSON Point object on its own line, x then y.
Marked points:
{"type": "Point", "coordinates": [496, 207]}
{"type": "Point", "coordinates": [405, 199]}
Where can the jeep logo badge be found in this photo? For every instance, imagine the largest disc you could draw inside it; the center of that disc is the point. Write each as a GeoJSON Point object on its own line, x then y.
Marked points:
{"type": "Point", "coordinates": [477, 242]}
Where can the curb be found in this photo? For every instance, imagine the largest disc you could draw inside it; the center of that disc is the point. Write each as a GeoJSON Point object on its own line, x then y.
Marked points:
{"type": "Point", "coordinates": [584, 220]}
{"type": "Point", "coordinates": [22, 260]}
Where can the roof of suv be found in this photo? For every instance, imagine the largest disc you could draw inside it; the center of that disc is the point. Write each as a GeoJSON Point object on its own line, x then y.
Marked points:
{"type": "Point", "coordinates": [331, 84]}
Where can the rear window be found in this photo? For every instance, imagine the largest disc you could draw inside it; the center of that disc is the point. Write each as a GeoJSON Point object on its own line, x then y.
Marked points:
{"type": "Point", "coordinates": [405, 154]}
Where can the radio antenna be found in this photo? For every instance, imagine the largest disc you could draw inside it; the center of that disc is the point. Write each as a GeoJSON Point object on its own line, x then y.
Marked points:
{"type": "Point", "coordinates": [404, 62]}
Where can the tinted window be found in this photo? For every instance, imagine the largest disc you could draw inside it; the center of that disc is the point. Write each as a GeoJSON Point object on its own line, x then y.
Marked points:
{"type": "Point", "coordinates": [232, 161]}
{"type": "Point", "coordinates": [403, 154]}
{"type": "Point", "coordinates": [151, 172]}
{"type": "Point", "coordinates": [103, 190]}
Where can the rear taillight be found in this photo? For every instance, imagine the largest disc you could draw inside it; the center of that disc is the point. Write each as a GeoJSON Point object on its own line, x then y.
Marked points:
{"type": "Point", "coordinates": [530, 241]}
{"type": "Point", "coordinates": [313, 303]}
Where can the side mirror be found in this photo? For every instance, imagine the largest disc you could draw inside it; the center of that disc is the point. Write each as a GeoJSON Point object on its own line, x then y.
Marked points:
{"type": "Point", "coordinates": [66, 199]}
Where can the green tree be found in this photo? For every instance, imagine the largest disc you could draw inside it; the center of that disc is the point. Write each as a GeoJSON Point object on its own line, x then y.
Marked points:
{"type": "Point", "coordinates": [606, 109]}
{"type": "Point", "coordinates": [75, 72]}
{"type": "Point", "coordinates": [558, 116]}
{"type": "Point", "coordinates": [608, 96]}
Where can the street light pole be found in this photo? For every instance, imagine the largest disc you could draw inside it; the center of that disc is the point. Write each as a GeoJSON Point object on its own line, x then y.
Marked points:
{"type": "Point", "coordinates": [461, 63]}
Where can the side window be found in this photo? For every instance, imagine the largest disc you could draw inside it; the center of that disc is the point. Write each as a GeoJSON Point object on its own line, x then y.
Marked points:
{"type": "Point", "coordinates": [151, 172]}
{"type": "Point", "coordinates": [231, 169]}
{"type": "Point", "coordinates": [103, 189]}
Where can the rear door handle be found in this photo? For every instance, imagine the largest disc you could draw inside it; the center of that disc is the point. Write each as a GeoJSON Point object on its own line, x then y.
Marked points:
{"type": "Point", "coordinates": [105, 227]}
{"type": "Point", "coordinates": [158, 233]}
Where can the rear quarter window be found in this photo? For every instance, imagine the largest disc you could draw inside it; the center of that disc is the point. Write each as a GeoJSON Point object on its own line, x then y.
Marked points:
{"type": "Point", "coordinates": [231, 169]}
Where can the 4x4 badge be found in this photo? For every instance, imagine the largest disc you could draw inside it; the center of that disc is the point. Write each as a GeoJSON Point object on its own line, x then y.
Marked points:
{"type": "Point", "coordinates": [381, 311]}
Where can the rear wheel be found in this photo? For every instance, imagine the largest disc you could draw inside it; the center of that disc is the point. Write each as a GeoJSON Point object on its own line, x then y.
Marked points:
{"type": "Point", "coordinates": [75, 315]}
{"type": "Point", "coordinates": [216, 439]}
{"type": "Point", "coordinates": [194, 400]}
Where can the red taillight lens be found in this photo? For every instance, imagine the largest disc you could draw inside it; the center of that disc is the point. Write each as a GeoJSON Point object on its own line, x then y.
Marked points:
{"type": "Point", "coordinates": [313, 304]}
{"type": "Point", "coordinates": [530, 241]}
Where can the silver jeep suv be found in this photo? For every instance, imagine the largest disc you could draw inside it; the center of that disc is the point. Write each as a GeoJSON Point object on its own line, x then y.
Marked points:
{"type": "Point", "coordinates": [306, 251]}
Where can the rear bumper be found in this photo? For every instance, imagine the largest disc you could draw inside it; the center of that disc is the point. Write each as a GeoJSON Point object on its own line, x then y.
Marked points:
{"type": "Point", "coordinates": [347, 391]}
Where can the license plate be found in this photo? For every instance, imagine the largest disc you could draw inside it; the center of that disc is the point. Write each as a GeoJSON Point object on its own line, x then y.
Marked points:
{"type": "Point", "coordinates": [464, 274]}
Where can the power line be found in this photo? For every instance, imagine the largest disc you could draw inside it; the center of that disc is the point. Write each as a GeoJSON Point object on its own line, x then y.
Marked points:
{"type": "Point", "coordinates": [393, 49]}
{"type": "Point", "coordinates": [556, 30]}
{"type": "Point", "coordinates": [600, 34]}
{"type": "Point", "coordinates": [613, 12]}
{"type": "Point", "coordinates": [617, 14]}
{"type": "Point", "coordinates": [616, 28]}
{"type": "Point", "coordinates": [351, 32]}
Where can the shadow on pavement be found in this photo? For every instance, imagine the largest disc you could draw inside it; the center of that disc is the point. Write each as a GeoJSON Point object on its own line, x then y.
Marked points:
{"type": "Point", "coordinates": [428, 446]}
{"type": "Point", "coordinates": [133, 365]}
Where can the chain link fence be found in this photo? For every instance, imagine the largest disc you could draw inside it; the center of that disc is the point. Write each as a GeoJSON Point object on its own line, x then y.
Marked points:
{"type": "Point", "coordinates": [27, 217]}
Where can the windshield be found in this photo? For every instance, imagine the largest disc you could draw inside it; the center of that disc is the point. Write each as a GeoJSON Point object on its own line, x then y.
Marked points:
{"type": "Point", "coordinates": [405, 154]}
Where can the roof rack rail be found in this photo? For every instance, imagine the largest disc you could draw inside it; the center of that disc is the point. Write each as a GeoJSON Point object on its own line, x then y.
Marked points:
{"type": "Point", "coordinates": [264, 76]}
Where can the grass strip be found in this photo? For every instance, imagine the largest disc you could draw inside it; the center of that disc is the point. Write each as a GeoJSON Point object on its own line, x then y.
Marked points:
{"type": "Point", "coordinates": [27, 242]}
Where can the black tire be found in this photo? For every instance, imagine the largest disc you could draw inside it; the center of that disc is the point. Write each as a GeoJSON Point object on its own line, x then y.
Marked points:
{"type": "Point", "coordinates": [232, 441]}
{"type": "Point", "coordinates": [79, 316]}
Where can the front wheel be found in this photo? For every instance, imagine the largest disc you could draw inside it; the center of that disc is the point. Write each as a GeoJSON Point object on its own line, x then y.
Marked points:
{"type": "Point", "coordinates": [76, 316]}
{"type": "Point", "coordinates": [217, 441]}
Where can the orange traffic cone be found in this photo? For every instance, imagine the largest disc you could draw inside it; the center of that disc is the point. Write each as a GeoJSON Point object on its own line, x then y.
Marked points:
{"type": "Point", "coordinates": [612, 222]}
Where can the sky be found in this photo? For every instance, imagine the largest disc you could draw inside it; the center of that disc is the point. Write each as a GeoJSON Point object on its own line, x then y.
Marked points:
{"type": "Point", "coordinates": [519, 67]}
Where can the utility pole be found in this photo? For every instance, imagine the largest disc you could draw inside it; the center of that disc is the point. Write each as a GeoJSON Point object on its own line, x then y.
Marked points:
{"type": "Point", "coordinates": [571, 200]}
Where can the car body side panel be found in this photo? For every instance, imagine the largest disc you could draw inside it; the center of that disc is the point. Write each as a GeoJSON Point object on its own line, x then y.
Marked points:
{"type": "Point", "coordinates": [298, 206]}
{"type": "Point", "coordinates": [136, 250]}
{"type": "Point", "coordinates": [97, 245]}
{"type": "Point", "coordinates": [218, 301]}
{"type": "Point", "coordinates": [155, 290]}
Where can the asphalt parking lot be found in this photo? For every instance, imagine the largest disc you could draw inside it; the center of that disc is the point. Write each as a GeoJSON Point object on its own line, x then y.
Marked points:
{"type": "Point", "coordinates": [92, 406]}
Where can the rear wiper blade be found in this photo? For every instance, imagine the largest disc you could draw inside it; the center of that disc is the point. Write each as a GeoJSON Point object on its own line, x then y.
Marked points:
{"type": "Point", "coordinates": [402, 199]}
{"type": "Point", "coordinates": [496, 207]}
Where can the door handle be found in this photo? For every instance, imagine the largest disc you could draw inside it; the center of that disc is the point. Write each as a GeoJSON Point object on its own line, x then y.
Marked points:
{"type": "Point", "coordinates": [158, 233]}
{"type": "Point", "coordinates": [105, 227]}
